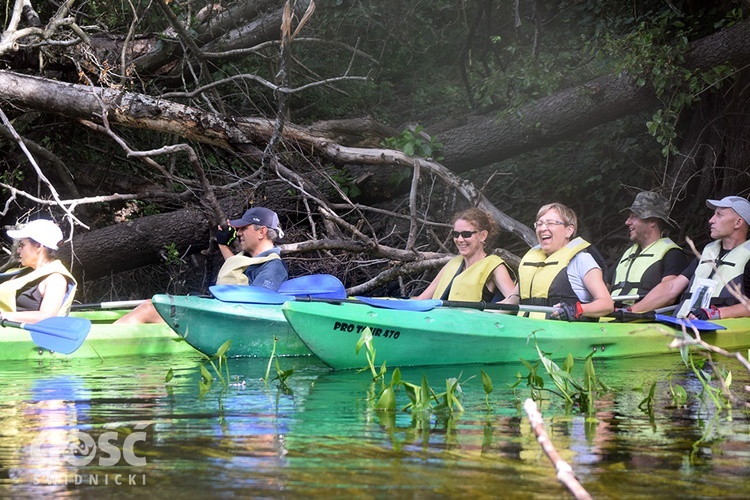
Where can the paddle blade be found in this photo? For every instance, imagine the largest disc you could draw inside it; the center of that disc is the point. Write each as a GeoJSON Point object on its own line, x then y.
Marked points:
{"type": "Point", "coordinates": [248, 294]}
{"type": "Point", "coordinates": [698, 324]}
{"type": "Point", "coordinates": [59, 334]}
{"type": "Point", "coordinates": [401, 304]}
{"type": "Point", "coordinates": [324, 286]}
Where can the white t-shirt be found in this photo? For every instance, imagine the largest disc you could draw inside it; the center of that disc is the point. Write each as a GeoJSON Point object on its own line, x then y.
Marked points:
{"type": "Point", "coordinates": [579, 265]}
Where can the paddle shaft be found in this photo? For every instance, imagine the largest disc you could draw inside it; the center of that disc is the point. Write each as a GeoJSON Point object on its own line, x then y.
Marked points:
{"type": "Point", "coordinates": [498, 307]}
{"type": "Point", "coordinates": [117, 304]}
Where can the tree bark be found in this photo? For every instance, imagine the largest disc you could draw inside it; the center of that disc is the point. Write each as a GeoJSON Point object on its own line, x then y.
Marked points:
{"type": "Point", "coordinates": [572, 111]}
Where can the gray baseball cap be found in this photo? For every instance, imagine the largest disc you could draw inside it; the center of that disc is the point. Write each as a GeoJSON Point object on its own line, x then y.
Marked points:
{"type": "Point", "coordinates": [259, 216]}
{"type": "Point", "coordinates": [736, 203]}
{"type": "Point", "coordinates": [648, 204]}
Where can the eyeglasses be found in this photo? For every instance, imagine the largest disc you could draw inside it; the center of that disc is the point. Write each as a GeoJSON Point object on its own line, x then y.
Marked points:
{"type": "Point", "coordinates": [463, 234]}
{"type": "Point", "coordinates": [548, 223]}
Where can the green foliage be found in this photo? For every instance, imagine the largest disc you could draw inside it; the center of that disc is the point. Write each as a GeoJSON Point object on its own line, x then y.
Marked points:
{"type": "Point", "coordinates": [281, 375]}
{"type": "Point", "coordinates": [12, 176]}
{"type": "Point", "coordinates": [576, 392]}
{"type": "Point", "coordinates": [171, 254]}
{"type": "Point", "coordinates": [421, 396]}
{"type": "Point", "coordinates": [216, 362]}
{"type": "Point", "coordinates": [345, 183]}
{"type": "Point", "coordinates": [654, 54]}
{"type": "Point", "coordinates": [412, 143]}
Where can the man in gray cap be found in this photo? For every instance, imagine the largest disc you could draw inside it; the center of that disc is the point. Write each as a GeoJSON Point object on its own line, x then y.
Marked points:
{"type": "Point", "coordinates": [652, 258]}
{"type": "Point", "coordinates": [724, 266]}
{"type": "Point", "coordinates": [259, 263]}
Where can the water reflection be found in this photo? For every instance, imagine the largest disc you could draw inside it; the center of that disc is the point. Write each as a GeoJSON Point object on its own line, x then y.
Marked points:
{"type": "Point", "coordinates": [323, 437]}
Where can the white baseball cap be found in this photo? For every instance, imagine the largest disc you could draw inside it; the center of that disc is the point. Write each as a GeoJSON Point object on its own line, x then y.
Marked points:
{"type": "Point", "coordinates": [43, 231]}
{"type": "Point", "coordinates": [736, 203]}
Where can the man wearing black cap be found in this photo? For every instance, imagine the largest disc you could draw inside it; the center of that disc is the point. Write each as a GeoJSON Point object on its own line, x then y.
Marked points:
{"type": "Point", "coordinates": [651, 259]}
{"type": "Point", "coordinates": [260, 262]}
{"type": "Point", "coordinates": [724, 265]}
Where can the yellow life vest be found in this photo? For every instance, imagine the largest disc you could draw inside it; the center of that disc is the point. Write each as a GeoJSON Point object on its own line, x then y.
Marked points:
{"type": "Point", "coordinates": [730, 271]}
{"type": "Point", "coordinates": [543, 280]}
{"type": "Point", "coordinates": [232, 272]}
{"type": "Point", "coordinates": [638, 273]}
{"type": "Point", "coordinates": [9, 289]}
{"type": "Point", "coordinates": [469, 283]}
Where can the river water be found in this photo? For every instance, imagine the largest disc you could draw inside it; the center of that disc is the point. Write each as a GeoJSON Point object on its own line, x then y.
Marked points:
{"type": "Point", "coordinates": [134, 434]}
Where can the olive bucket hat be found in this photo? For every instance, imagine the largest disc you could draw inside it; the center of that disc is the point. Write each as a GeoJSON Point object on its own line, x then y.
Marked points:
{"type": "Point", "coordinates": [648, 204]}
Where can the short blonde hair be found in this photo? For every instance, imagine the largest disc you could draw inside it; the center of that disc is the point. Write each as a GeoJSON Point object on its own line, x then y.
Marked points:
{"type": "Point", "coordinates": [567, 215]}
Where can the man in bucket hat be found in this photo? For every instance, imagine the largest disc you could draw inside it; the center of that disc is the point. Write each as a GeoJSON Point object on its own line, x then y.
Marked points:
{"type": "Point", "coordinates": [724, 266]}
{"type": "Point", "coordinates": [652, 258]}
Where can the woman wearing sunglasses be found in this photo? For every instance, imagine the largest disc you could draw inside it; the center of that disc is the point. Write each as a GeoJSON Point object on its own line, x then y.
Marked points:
{"type": "Point", "coordinates": [562, 271]}
{"type": "Point", "coordinates": [473, 275]}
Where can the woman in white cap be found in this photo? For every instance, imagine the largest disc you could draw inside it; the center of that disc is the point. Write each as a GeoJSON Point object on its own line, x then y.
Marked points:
{"type": "Point", "coordinates": [44, 287]}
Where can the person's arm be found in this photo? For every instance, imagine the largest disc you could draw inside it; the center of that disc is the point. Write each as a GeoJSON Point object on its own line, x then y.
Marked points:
{"type": "Point", "coordinates": [662, 294]}
{"type": "Point", "coordinates": [430, 290]}
{"type": "Point", "coordinates": [735, 311]}
{"type": "Point", "coordinates": [226, 252]}
{"type": "Point", "coordinates": [602, 303]}
{"type": "Point", "coordinates": [53, 289]}
{"type": "Point", "coordinates": [504, 283]}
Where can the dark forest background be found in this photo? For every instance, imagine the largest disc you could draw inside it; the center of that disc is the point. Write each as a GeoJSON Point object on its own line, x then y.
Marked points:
{"type": "Point", "coordinates": [140, 126]}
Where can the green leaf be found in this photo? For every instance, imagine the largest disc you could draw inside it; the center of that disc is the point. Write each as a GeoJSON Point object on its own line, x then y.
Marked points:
{"type": "Point", "coordinates": [486, 382]}
{"type": "Point", "coordinates": [223, 348]}
{"type": "Point", "coordinates": [170, 374]}
{"type": "Point", "coordinates": [387, 400]}
{"type": "Point", "coordinates": [206, 375]}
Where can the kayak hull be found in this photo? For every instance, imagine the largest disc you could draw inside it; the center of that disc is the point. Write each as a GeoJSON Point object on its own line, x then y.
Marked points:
{"type": "Point", "coordinates": [207, 323]}
{"type": "Point", "coordinates": [104, 340]}
{"type": "Point", "coordinates": [447, 336]}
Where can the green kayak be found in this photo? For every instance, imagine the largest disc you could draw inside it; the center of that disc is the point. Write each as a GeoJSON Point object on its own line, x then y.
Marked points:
{"type": "Point", "coordinates": [445, 335]}
{"type": "Point", "coordinates": [207, 323]}
{"type": "Point", "coordinates": [104, 340]}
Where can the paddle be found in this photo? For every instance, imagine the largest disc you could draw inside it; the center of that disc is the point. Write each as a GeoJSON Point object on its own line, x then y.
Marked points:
{"type": "Point", "coordinates": [698, 324]}
{"type": "Point", "coordinates": [60, 333]}
{"type": "Point", "coordinates": [426, 305]}
{"type": "Point", "coordinates": [320, 286]}
{"type": "Point", "coordinates": [117, 304]}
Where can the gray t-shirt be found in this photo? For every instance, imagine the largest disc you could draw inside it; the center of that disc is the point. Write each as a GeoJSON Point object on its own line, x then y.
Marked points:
{"type": "Point", "coordinates": [579, 265]}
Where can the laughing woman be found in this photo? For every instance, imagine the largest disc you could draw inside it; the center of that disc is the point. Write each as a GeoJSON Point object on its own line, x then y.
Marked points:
{"type": "Point", "coordinates": [43, 288]}
{"type": "Point", "coordinates": [561, 270]}
{"type": "Point", "coordinates": [473, 275]}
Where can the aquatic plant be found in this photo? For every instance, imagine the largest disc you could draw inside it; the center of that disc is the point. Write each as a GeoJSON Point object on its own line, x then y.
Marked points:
{"type": "Point", "coordinates": [281, 375]}
{"type": "Point", "coordinates": [207, 380]}
{"type": "Point", "coordinates": [581, 393]}
{"type": "Point", "coordinates": [421, 397]}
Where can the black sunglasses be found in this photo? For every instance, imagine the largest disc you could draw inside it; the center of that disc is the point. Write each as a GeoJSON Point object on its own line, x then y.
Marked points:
{"type": "Point", "coordinates": [464, 234]}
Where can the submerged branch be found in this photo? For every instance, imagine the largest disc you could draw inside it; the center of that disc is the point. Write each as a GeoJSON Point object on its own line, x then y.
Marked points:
{"type": "Point", "coordinates": [564, 472]}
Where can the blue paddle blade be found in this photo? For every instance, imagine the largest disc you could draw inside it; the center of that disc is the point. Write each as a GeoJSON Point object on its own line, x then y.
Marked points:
{"type": "Point", "coordinates": [324, 286]}
{"type": "Point", "coordinates": [248, 294]}
{"type": "Point", "coordinates": [698, 324]}
{"type": "Point", "coordinates": [402, 304]}
{"type": "Point", "coordinates": [59, 334]}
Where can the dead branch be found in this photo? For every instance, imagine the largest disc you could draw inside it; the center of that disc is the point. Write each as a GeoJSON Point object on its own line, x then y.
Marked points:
{"type": "Point", "coordinates": [564, 472]}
